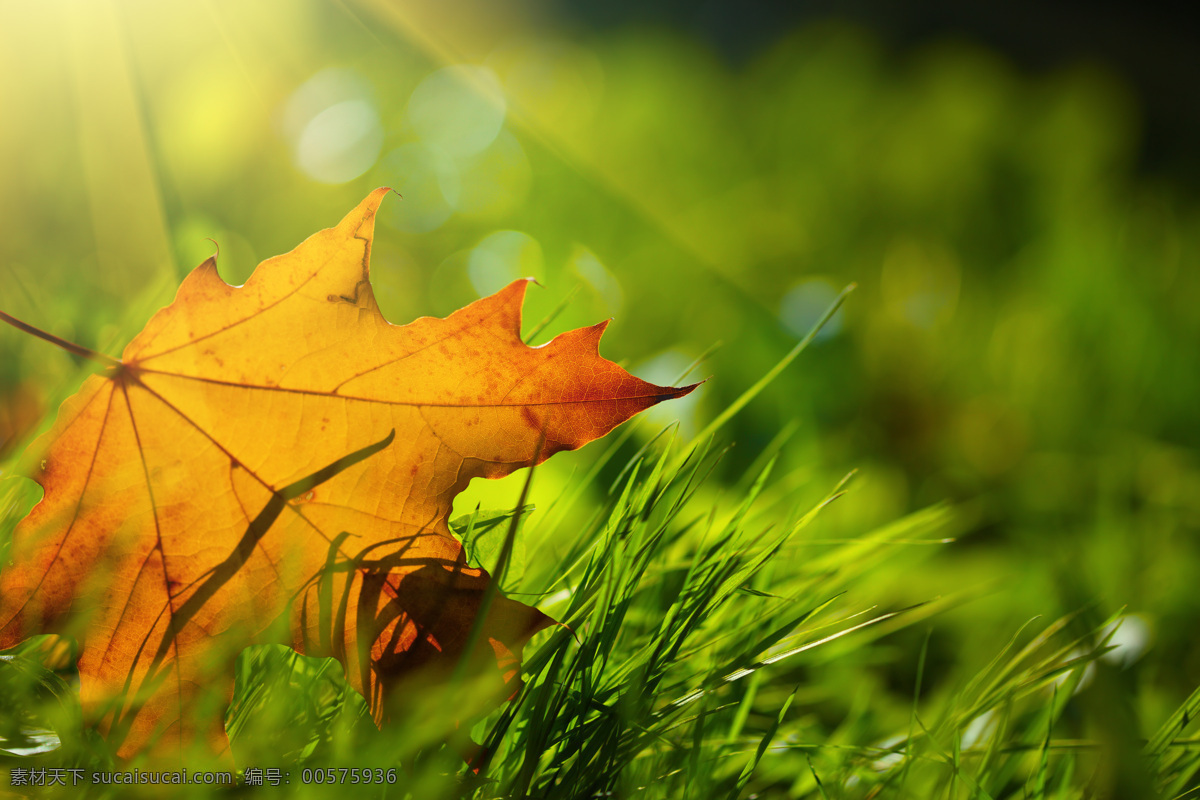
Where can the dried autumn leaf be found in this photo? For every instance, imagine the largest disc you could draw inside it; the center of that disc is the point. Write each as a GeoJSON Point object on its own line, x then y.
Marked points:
{"type": "Point", "coordinates": [280, 451]}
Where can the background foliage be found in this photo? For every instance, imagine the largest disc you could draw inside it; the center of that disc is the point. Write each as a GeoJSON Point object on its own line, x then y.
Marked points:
{"type": "Point", "coordinates": [1022, 344]}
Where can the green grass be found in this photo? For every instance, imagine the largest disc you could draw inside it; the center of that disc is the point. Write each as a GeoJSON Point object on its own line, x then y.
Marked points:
{"type": "Point", "coordinates": [715, 642]}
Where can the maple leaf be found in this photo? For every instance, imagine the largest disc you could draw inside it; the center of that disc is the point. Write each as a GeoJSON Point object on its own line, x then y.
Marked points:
{"type": "Point", "coordinates": [280, 452]}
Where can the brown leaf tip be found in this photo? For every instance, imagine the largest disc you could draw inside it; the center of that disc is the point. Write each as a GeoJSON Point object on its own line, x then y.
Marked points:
{"type": "Point", "coordinates": [678, 391]}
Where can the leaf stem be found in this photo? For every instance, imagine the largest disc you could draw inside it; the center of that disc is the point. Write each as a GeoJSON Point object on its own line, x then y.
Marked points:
{"type": "Point", "coordinates": [70, 347]}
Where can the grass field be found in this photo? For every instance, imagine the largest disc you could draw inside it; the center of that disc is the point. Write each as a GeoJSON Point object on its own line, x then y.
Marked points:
{"type": "Point", "coordinates": [714, 643]}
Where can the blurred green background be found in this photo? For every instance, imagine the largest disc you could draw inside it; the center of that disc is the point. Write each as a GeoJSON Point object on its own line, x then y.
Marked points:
{"type": "Point", "coordinates": [1023, 342]}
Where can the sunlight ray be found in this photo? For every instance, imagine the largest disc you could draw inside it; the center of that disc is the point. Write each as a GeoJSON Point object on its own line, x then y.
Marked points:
{"type": "Point", "coordinates": [444, 52]}
{"type": "Point", "coordinates": [120, 174]}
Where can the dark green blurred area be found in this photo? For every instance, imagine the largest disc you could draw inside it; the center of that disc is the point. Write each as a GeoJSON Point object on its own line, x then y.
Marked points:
{"type": "Point", "coordinates": [1023, 340]}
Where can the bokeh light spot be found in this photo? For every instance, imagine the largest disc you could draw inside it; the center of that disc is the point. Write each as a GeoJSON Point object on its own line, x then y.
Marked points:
{"type": "Point", "coordinates": [429, 182]}
{"type": "Point", "coordinates": [341, 143]}
{"type": "Point", "coordinates": [495, 181]}
{"type": "Point", "coordinates": [501, 258]}
{"type": "Point", "coordinates": [1130, 638]}
{"type": "Point", "coordinates": [459, 109]}
{"type": "Point", "coordinates": [665, 369]}
{"type": "Point", "coordinates": [803, 305]}
{"type": "Point", "coordinates": [334, 126]}
{"type": "Point", "coordinates": [603, 282]}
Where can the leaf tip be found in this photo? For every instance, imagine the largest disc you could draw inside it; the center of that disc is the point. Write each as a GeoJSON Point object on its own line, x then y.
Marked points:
{"type": "Point", "coordinates": [675, 392]}
{"type": "Point", "coordinates": [587, 338]}
{"type": "Point", "coordinates": [361, 221]}
{"type": "Point", "coordinates": [207, 270]}
{"type": "Point", "coordinates": [514, 293]}
{"type": "Point", "coordinates": [374, 200]}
